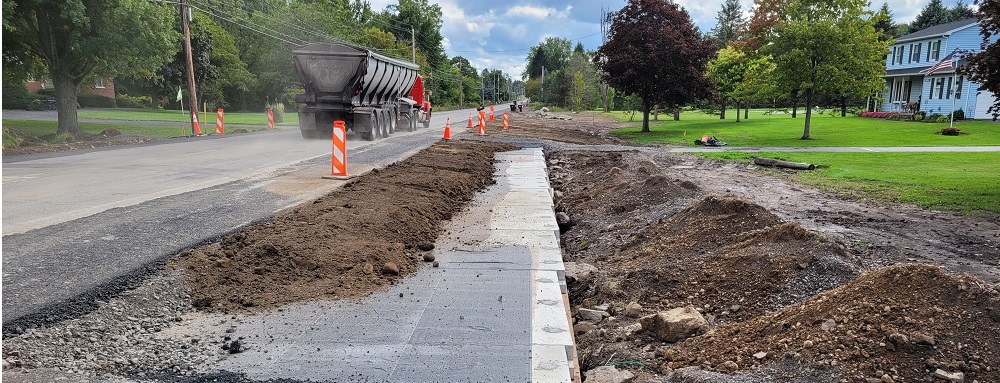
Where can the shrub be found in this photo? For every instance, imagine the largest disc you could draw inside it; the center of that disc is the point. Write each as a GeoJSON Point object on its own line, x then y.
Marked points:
{"type": "Point", "coordinates": [140, 102]}
{"type": "Point", "coordinates": [16, 96]}
{"type": "Point", "coordinates": [959, 114]}
{"type": "Point", "coordinates": [943, 119]}
{"type": "Point", "coordinates": [918, 117]}
{"type": "Point", "coordinates": [854, 111]}
{"type": "Point", "coordinates": [878, 114]}
{"type": "Point", "coordinates": [895, 117]}
{"type": "Point", "coordinates": [95, 101]}
{"type": "Point", "coordinates": [920, 113]}
{"type": "Point", "coordinates": [950, 131]}
{"type": "Point", "coordinates": [933, 117]}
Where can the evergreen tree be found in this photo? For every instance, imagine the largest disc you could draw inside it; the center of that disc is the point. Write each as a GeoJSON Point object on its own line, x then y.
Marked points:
{"type": "Point", "coordinates": [885, 25]}
{"type": "Point", "coordinates": [729, 23]}
{"type": "Point", "coordinates": [934, 13]}
{"type": "Point", "coordinates": [960, 11]}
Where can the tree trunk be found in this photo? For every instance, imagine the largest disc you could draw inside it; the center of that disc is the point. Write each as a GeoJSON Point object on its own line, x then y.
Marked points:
{"type": "Point", "coordinates": [656, 112]}
{"type": "Point", "coordinates": [746, 111]}
{"type": "Point", "coordinates": [677, 113]}
{"type": "Point", "coordinates": [243, 101]}
{"type": "Point", "coordinates": [722, 109]}
{"type": "Point", "coordinates": [645, 116]}
{"type": "Point", "coordinates": [65, 89]}
{"type": "Point", "coordinates": [737, 111]}
{"type": "Point", "coordinates": [795, 102]}
{"type": "Point", "coordinates": [604, 97]}
{"type": "Point", "coordinates": [155, 95]}
{"type": "Point", "coordinates": [805, 132]}
{"type": "Point", "coordinates": [843, 105]}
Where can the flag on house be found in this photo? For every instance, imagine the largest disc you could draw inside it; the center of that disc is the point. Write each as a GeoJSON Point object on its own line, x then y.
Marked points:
{"type": "Point", "coordinates": [945, 63]}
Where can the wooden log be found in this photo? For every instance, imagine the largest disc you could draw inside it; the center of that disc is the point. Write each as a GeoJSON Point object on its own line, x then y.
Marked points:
{"type": "Point", "coordinates": [783, 164]}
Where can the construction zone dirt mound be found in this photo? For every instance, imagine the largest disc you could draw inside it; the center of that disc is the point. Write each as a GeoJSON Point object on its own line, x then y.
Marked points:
{"type": "Point", "coordinates": [907, 323]}
{"type": "Point", "coordinates": [575, 128]}
{"type": "Point", "coordinates": [368, 234]}
{"type": "Point", "coordinates": [611, 198]}
{"type": "Point", "coordinates": [729, 257]}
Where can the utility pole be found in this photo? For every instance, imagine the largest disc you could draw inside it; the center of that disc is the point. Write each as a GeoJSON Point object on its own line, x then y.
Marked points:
{"type": "Point", "coordinates": [413, 43]}
{"type": "Point", "coordinates": [543, 84]}
{"type": "Point", "coordinates": [192, 94]}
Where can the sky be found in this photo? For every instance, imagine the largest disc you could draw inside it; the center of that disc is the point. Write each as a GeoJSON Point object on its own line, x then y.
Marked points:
{"type": "Point", "coordinates": [499, 34]}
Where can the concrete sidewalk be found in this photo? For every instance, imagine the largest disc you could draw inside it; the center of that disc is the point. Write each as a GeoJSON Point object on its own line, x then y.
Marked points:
{"type": "Point", "coordinates": [494, 311]}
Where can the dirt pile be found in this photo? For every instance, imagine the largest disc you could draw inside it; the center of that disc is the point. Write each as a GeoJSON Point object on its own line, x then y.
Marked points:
{"type": "Point", "coordinates": [22, 143]}
{"type": "Point", "coordinates": [904, 321]}
{"type": "Point", "coordinates": [584, 128]}
{"type": "Point", "coordinates": [608, 198]}
{"type": "Point", "coordinates": [348, 243]}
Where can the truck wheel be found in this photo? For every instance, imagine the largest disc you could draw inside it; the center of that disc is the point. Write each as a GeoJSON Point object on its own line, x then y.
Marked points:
{"type": "Point", "coordinates": [392, 120]}
{"type": "Point", "coordinates": [376, 124]}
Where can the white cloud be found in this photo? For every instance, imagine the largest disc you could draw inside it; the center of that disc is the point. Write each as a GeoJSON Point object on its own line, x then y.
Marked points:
{"type": "Point", "coordinates": [537, 13]}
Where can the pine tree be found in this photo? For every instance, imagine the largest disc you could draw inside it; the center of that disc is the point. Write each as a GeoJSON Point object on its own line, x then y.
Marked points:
{"type": "Point", "coordinates": [884, 23]}
{"type": "Point", "coordinates": [730, 23]}
{"type": "Point", "coordinates": [934, 13]}
{"type": "Point", "coordinates": [960, 11]}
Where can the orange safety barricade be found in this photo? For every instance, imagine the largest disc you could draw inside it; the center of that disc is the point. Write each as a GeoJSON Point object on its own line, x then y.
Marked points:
{"type": "Point", "coordinates": [220, 127]}
{"type": "Point", "coordinates": [270, 118]}
{"type": "Point", "coordinates": [339, 162]}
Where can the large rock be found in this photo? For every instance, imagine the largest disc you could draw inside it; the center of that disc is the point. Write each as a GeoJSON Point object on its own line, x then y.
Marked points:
{"type": "Point", "coordinates": [607, 374]}
{"type": "Point", "coordinates": [577, 272]}
{"type": "Point", "coordinates": [675, 325]}
{"type": "Point", "coordinates": [633, 310]}
{"type": "Point", "coordinates": [589, 315]}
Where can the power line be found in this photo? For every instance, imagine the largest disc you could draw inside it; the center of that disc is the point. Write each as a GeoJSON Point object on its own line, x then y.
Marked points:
{"type": "Point", "coordinates": [519, 49]}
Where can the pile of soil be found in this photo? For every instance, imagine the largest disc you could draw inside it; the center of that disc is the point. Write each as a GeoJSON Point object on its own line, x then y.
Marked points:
{"type": "Point", "coordinates": [29, 144]}
{"type": "Point", "coordinates": [611, 200]}
{"type": "Point", "coordinates": [346, 244]}
{"type": "Point", "coordinates": [729, 257]}
{"type": "Point", "coordinates": [582, 128]}
{"type": "Point", "coordinates": [904, 321]}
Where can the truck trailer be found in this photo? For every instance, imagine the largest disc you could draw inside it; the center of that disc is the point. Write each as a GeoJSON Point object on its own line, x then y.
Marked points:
{"type": "Point", "coordinates": [373, 94]}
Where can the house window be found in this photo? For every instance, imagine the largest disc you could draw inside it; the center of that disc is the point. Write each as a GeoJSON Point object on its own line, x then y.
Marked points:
{"type": "Point", "coordinates": [958, 87]}
{"type": "Point", "coordinates": [940, 87]}
{"type": "Point", "coordinates": [99, 83]}
{"type": "Point", "coordinates": [935, 50]}
{"type": "Point", "coordinates": [902, 51]}
{"type": "Point", "coordinates": [948, 94]}
{"type": "Point", "coordinates": [916, 53]}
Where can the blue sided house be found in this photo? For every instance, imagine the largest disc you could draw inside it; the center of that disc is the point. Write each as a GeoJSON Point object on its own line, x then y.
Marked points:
{"type": "Point", "coordinates": [920, 72]}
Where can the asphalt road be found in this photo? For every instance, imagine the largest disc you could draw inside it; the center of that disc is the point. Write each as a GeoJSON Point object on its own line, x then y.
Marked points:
{"type": "Point", "coordinates": [80, 227]}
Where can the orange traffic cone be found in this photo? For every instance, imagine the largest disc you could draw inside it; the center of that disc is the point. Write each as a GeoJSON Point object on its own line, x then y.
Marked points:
{"type": "Point", "coordinates": [447, 128]}
{"type": "Point", "coordinates": [197, 126]}
{"type": "Point", "coordinates": [470, 120]}
{"type": "Point", "coordinates": [491, 113]}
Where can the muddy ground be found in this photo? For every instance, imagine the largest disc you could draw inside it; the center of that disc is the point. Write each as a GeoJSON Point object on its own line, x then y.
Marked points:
{"type": "Point", "coordinates": [795, 284]}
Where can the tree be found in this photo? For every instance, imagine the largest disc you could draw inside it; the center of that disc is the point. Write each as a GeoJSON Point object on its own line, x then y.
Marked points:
{"type": "Point", "coordinates": [729, 23]}
{"type": "Point", "coordinates": [654, 51]}
{"type": "Point", "coordinates": [727, 70]}
{"type": "Point", "coordinates": [827, 47]}
{"type": "Point", "coordinates": [984, 66]}
{"type": "Point", "coordinates": [960, 11]}
{"type": "Point", "coordinates": [552, 54]}
{"type": "Point", "coordinates": [884, 23]}
{"type": "Point", "coordinates": [934, 13]}
{"type": "Point", "coordinates": [425, 18]}
{"type": "Point", "coordinates": [77, 38]}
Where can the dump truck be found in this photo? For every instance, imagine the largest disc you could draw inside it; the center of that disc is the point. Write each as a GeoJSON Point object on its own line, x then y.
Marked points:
{"type": "Point", "coordinates": [373, 94]}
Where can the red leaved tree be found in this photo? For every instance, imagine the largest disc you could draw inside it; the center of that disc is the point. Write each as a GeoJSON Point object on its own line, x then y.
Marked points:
{"type": "Point", "coordinates": [654, 51]}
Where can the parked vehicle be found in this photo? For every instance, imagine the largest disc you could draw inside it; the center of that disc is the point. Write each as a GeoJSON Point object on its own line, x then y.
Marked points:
{"type": "Point", "coordinates": [372, 93]}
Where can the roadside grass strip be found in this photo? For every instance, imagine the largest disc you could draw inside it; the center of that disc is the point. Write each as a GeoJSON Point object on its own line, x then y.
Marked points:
{"type": "Point", "coordinates": [964, 182]}
{"type": "Point", "coordinates": [781, 130]}
{"type": "Point", "coordinates": [234, 118]}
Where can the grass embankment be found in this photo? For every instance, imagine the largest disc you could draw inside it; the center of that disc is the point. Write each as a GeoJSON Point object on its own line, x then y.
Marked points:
{"type": "Point", "coordinates": [233, 118]}
{"type": "Point", "coordinates": [963, 182]}
{"type": "Point", "coordinates": [781, 130]}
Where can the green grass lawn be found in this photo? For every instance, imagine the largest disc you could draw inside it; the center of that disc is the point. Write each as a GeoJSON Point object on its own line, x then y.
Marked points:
{"type": "Point", "coordinates": [783, 131]}
{"type": "Point", "coordinates": [45, 130]}
{"type": "Point", "coordinates": [965, 182]}
{"type": "Point", "coordinates": [235, 118]}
